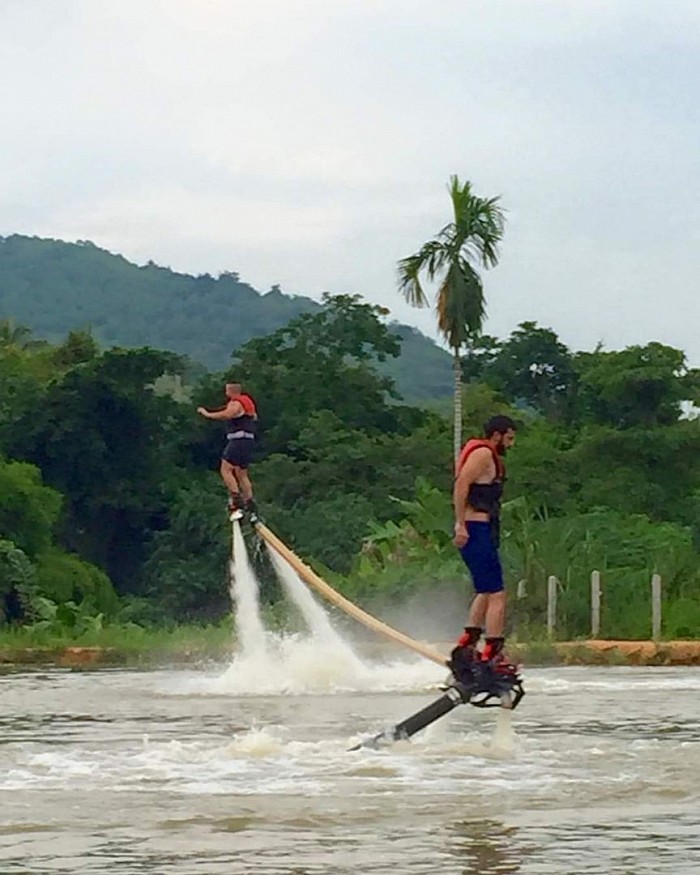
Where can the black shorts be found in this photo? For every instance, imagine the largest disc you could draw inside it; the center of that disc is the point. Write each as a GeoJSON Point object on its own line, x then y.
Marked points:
{"type": "Point", "coordinates": [238, 452]}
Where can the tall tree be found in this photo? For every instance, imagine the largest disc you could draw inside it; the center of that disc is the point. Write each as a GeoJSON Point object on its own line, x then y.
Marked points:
{"type": "Point", "coordinates": [534, 367]}
{"type": "Point", "coordinates": [104, 438]}
{"type": "Point", "coordinates": [469, 241]}
{"type": "Point", "coordinates": [639, 386]}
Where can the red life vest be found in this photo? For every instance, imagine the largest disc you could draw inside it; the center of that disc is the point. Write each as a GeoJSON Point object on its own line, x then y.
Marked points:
{"type": "Point", "coordinates": [484, 497]}
{"type": "Point", "coordinates": [475, 444]}
{"type": "Point", "coordinates": [247, 404]}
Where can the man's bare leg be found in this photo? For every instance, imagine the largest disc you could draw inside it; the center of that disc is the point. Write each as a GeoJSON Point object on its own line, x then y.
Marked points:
{"type": "Point", "coordinates": [228, 476]}
{"type": "Point", "coordinates": [244, 483]}
{"type": "Point", "coordinates": [495, 614]}
{"type": "Point", "coordinates": [478, 610]}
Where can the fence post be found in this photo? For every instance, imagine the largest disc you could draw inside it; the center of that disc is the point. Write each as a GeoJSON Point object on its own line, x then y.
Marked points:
{"type": "Point", "coordinates": [551, 605]}
{"type": "Point", "coordinates": [595, 604]}
{"type": "Point", "coordinates": [656, 606]}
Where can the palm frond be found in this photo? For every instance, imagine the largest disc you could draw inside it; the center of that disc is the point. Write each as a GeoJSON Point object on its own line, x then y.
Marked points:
{"type": "Point", "coordinates": [430, 258]}
{"type": "Point", "coordinates": [409, 281]}
{"type": "Point", "coordinates": [479, 223]}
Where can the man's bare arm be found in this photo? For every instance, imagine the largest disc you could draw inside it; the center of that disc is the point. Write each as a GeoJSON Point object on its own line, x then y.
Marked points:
{"type": "Point", "coordinates": [231, 411]}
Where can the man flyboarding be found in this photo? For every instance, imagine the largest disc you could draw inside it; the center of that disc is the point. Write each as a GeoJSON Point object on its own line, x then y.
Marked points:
{"type": "Point", "coordinates": [478, 488]}
{"type": "Point", "coordinates": [241, 419]}
{"type": "Point", "coordinates": [483, 679]}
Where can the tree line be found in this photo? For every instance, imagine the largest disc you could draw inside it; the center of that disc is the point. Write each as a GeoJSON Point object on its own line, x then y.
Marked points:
{"type": "Point", "coordinates": [110, 502]}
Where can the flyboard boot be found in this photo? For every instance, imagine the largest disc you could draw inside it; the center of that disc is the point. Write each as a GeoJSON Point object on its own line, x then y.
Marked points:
{"type": "Point", "coordinates": [484, 683]}
{"type": "Point", "coordinates": [250, 510]}
{"type": "Point", "coordinates": [234, 507]}
{"type": "Point", "coordinates": [497, 682]}
{"type": "Point", "coordinates": [239, 508]}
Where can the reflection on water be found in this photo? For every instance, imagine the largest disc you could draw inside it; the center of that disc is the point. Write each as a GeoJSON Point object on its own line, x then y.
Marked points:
{"type": "Point", "coordinates": [189, 772]}
{"type": "Point", "coordinates": [485, 846]}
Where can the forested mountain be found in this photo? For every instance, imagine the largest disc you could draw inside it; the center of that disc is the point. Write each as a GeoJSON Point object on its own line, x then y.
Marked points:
{"type": "Point", "coordinates": [53, 287]}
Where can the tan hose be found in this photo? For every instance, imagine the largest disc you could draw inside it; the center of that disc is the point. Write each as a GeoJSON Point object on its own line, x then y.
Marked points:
{"type": "Point", "coordinates": [327, 591]}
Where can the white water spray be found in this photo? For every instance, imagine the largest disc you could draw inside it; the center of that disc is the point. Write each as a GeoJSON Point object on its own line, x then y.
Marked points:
{"type": "Point", "coordinates": [246, 597]}
{"type": "Point", "coordinates": [323, 661]}
{"type": "Point", "coordinates": [313, 613]}
{"type": "Point", "coordinates": [332, 653]}
{"type": "Point", "coordinates": [272, 663]}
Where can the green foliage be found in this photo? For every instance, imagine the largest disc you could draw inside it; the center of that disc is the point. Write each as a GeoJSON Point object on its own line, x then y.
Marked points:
{"type": "Point", "coordinates": [641, 386]}
{"type": "Point", "coordinates": [78, 347]}
{"type": "Point", "coordinates": [626, 549]}
{"type": "Point", "coordinates": [23, 376]}
{"type": "Point", "coordinates": [17, 583]}
{"type": "Point", "coordinates": [331, 530]}
{"type": "Point", "coordinates": [123, 642]}
{"type": "Point", "coordinates": [28, 509]}
{"type": "Point", "coordinates": [337, 446]}
{"type": "Point", "coordinates": [540, 469]}
{"type": "Point", "coordinates": [17, 337]}
{"type": "Point", "coordinates": [62, 578]}
{"type": "Point", "coordinates": [534, 368]}
{"type": "Point", "coordinates": [107, 442]}
{"type": "Point", "coordinates": [321, 362]}
{"type": "Point", "coordinates": [186, 572]}
{"type": "Point", "coordinates": [398, 558]}
{"type": "Point", "coordinates": [681, 617]}
{"type": "Point", "coordinates": [104, 464]}
{"type": "Point", "coordinates": [31, 566]}
{"type": "Point", "coordinates": [654, 471]}
{"type": "Point", "coordinates": [67, 618]}
{"type": "Point", "coordinates": [480, 402]}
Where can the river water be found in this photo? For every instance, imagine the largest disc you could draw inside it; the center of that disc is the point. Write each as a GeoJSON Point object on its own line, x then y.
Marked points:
{"type": "Point", "coordinates": [238, 769]}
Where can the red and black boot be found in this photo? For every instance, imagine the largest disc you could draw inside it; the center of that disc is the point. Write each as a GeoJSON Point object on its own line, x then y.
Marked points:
{"type": "Point", "coordinates": [465, 654]}
{"type": "Point", "coordinates": [494, 656]}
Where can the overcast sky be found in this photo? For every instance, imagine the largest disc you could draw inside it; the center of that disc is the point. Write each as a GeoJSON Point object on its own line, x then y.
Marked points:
{"type": "Point", "coordinates": [309, 142]}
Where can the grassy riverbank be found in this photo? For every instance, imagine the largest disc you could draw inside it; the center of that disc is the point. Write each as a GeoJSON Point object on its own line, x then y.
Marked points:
{"type": "Point", "coordinates": [193, 645]}
{"type": "Point", "coordinates": [117, 645]}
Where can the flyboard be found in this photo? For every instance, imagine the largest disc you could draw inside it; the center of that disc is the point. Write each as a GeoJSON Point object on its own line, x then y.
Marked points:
{"type": "Point", "coordinates": [472, 682]}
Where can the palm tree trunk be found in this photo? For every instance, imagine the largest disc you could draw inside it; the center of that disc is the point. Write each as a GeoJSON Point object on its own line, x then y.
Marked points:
{"type": "Point", "coordinates": [457, 366]}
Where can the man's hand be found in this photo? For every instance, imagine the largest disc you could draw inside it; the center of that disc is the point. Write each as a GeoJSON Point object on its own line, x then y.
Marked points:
{"type": "Point", "coordinates": [202, 411]}
{"type": "Point", "coordinates": [461, 535]}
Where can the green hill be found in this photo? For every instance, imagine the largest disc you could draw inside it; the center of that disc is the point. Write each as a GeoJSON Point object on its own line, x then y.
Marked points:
{"type": "Point", "coordinates": [53, 287]}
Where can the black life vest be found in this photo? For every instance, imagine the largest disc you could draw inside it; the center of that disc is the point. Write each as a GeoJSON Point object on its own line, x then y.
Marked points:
{"type": "Point", "coordinates": [244, 426]}
{"type": "Point", "coordinates": [484, 497]}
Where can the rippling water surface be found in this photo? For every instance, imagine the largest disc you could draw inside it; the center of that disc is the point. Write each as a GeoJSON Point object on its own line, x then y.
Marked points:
{"type": "Point", "coordinates": [226, 771]}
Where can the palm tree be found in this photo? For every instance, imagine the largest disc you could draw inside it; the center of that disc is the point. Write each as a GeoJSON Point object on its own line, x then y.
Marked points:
{"type": "Point", "coordinates": [470, 239]}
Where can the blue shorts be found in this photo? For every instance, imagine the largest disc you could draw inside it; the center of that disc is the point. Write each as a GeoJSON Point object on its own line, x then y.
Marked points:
{"type": "Point", "coordinates": [480, 554]}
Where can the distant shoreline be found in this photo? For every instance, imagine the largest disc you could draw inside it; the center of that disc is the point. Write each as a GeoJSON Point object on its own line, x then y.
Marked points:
{"type": "Point", "coordinates": [584, 652]}
{"type": "Point", "coordinates": [629, 652]}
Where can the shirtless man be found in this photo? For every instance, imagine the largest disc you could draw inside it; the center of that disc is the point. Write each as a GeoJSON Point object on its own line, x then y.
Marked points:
{"type": "Point", "coordinates": [478, 487]}
{"type": "Point", "coordinates": [241, 419]}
